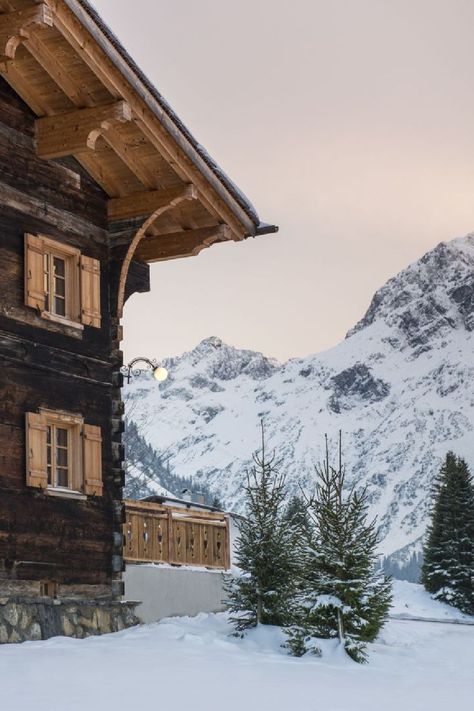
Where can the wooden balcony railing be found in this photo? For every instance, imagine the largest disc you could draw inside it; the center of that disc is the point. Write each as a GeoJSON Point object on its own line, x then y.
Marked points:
{"type": "Point", "coordinates": [159, 533]}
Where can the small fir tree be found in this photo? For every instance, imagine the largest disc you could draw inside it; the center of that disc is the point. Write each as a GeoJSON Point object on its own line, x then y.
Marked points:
{"type": "Point", "coordinates": [448, 567]}
{"type": "Point", "coordinates": [266, 551]}
{"type": "Point", "coordinates": [216, 503]}
{"type": "Point", "coordinates": [296, 515]}
{"type": "Point", "coordinates": [343, 596]}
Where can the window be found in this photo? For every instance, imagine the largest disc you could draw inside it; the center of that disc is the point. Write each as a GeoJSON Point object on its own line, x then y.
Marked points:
{"type": "Point", "coordinates": [64, 454]}
{"type": "Point", "coordinates": [58, 450]}
{"type": "Point", "coordinates": [62, 284]}
{"type": "Point", "coordinates": [56, 296]}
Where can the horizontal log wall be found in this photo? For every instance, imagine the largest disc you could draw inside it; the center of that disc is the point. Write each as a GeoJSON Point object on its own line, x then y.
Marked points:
{"type": "Point", "coordinates": [45, 364]}
{"type": "Point", "coordinates": [157, 533]}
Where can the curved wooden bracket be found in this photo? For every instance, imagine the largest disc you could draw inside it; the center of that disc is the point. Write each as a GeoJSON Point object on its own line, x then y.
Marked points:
{"type": "Point", "coordinates": [188, 193]}
{"type": "Point", "coordinates": [188, 243]}
{"type": "Point", "coordinates": [15, 28]}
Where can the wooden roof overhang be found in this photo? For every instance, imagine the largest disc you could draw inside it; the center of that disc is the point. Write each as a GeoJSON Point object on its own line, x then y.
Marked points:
{"type": "Point", "coordinates": [167, 197]}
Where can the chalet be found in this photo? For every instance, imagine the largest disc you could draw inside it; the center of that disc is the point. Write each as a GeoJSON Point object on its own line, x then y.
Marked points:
{"type": "Point", "coordinates": [98, 178]}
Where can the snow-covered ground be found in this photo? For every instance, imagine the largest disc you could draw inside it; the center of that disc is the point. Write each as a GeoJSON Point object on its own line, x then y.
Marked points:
{"type": "Point", "coordinates": [186, 663]}
{"type": "Point", "coordinates": [410, 600]}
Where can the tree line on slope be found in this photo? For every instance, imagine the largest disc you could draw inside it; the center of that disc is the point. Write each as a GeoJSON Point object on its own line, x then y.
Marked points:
{"type": "Point", "coordinates": [409, 570]}
{"type": "Point", "coordinates": [310, 566]}
{"type": "Point", "coordinates": [144, 465]}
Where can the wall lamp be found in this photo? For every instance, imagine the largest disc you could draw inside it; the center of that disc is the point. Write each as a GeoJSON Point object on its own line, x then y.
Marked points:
{"type": "Point", "coordinates": [159, 372]}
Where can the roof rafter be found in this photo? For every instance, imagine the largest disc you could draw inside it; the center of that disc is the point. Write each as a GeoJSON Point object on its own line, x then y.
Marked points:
{"type": "Point", "coordinates": [126, 154]}
{"type": "Point", "coordinates": [67, 83]}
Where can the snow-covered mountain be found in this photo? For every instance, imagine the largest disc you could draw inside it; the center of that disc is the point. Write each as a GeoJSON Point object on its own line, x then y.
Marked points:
{"type": "Point", "coordinates": [400, 387]}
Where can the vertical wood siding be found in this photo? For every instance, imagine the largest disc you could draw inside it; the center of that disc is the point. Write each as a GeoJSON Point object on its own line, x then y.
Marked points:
{"type": "Point", "coordinates": [158, 533]}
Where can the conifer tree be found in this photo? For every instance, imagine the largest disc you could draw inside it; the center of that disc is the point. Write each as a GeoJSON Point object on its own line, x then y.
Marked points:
{"type": "Point", "coordinates": [448, 567]}
{"type": "Point", "coordinates": [296, 515]}
{"type": "Point", "coordinates": [266, 551]}
{"type": "Point", "coordinates": [342, 594]}
{"type": "Point", "coordinates": [216, 503]}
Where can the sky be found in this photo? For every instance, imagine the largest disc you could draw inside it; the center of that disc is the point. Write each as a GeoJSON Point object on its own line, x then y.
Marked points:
{"type": "Point", "coordinates": [348, 123]}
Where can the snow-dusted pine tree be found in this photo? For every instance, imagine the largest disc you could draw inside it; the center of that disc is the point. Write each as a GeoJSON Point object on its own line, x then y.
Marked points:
{"type": "Point", "coordinates": [448, 567]}
{"type": "Point", "coordinates": [216, 503]}
{"type": "Point", "coordinates": [343, 596]}
{"type": "Point", "coordinates": [266, 551]}
{"type": "Point", "coordinates": [296, 515]}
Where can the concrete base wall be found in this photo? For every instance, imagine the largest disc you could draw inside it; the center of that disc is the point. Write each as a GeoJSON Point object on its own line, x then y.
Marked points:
{"type": "Point", "coordinates": [166, 592]}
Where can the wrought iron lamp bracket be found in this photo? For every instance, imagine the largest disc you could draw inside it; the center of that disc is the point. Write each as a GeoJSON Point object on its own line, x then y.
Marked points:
{"type": "Point", "coordinates": [131, 370]}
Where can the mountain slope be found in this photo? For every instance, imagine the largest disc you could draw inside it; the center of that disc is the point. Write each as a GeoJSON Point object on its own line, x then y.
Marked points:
{"type": "Point", "coordinates": [400, 387]}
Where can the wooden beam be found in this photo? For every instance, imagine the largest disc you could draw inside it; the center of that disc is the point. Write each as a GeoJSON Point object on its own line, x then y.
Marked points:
{"type": "Point", "coordinates": [76, 132]}
{"type": "Point", "coordinates": [15, 28]}
{"type": "Point", "coordinates": [174, 245]}
{"type": "Point", "coordinates": [30, 95]}
{"type": "Point", "coordinates": [40, 51]}
{"type": "Point", "coordinates": [144, 204]}
{"type": "Point", "coordinates": [126, 153]}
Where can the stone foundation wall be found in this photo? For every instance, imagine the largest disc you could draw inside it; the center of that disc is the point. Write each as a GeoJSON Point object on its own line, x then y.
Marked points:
{"type": "Point", "coordinates": [26, 619]}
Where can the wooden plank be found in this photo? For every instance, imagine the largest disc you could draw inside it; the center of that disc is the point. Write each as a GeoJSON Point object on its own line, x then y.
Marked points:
{"type": "Point", "coordinates": [30, 95]}
{"type": "Point", "coordinates": [128, 156]}
{"type": "Point", "coordinates": [39, 49]}
{"type": "Point", "coordinates": [180, 244]}
{"type": "Point", "coordinates": [144, 204]}
{"type": "Point", "coordinates": [164, 508]}
{"type": "Point", "coordinates": [191, 520]}
{"type": "Point", "coordinates": [77, 131]}
{"type": "Point", "coordinates": [67, 222]}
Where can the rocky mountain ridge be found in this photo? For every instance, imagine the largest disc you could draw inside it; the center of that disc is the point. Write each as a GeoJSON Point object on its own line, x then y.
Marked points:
{"type": "Point", "coordinates": [400, 387]}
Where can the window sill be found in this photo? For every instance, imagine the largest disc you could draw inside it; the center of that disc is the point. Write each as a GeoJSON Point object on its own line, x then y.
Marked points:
{"type": "Point", "coordinates": [64, 321]}
{"type": "Point", "coordinates": [65, 493]}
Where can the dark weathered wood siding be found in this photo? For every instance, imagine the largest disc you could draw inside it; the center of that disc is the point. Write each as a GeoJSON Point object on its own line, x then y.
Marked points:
{"type": "Point", "coordinates": [48, 365]}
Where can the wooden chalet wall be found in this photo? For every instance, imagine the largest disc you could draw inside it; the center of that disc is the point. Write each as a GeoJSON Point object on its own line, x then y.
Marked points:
{"type": "Point", "coordinates": [93, 158]}
{"type": "Point", "coordinates": [42, 364]}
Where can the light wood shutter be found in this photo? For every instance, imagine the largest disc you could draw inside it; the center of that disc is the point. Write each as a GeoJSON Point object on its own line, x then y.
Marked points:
{"type": "Point", "coordinates": [34, 272]}
{"type": "Point", "coordinates": [36, 467]}
{"type": "Point", "coordinates": [92, 460]}
{"type": "Point", "coordinates": [90, 292]}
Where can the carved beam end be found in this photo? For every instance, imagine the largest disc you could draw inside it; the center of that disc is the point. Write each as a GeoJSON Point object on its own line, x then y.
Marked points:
{"type": "Point", "coordinates": [15, 28]}
{"type": "Point", "coordinates": [75, 132]}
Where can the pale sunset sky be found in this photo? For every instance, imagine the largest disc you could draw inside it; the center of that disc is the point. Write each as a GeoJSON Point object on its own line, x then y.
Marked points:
{"type": "Point", "coordinates": [349, 123]}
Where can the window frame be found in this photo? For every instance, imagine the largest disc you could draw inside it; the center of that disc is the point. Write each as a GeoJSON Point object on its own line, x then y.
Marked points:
{"type": "Point", "coordinates": [72, 264]}
{"type": "Point", "coordinates": [73, 424]}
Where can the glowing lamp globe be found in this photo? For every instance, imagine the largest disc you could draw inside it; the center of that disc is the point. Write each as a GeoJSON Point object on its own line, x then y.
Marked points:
{"type": "Point", "coordinates": [160, 373]}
